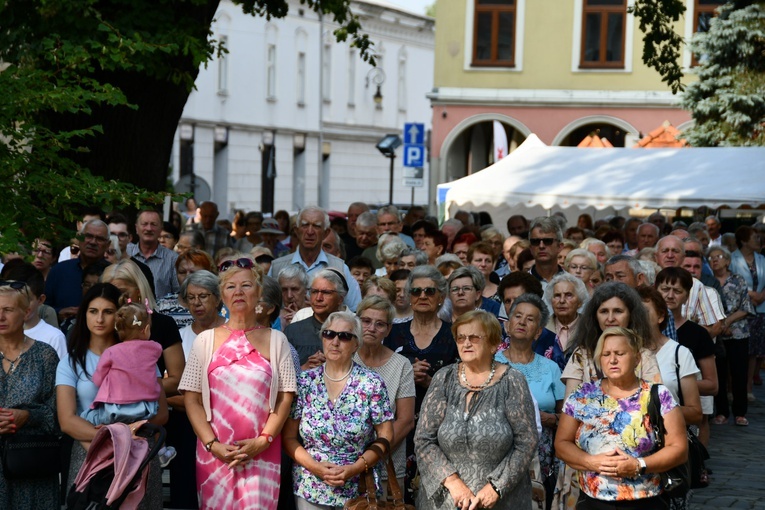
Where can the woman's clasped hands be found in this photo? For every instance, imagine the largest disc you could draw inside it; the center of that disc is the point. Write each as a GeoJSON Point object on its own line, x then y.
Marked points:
{"type": "Point", "coordinates": [615, 463]}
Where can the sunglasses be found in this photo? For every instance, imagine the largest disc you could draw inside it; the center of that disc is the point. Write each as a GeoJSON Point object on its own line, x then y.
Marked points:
{"type": "Point", "coordinates": [14, 284]}
{"type": "Point", "coordinates": [244, 263]}
{"type": "Point", "coordinates": [344, 336]}
{"type": "Point", "coordinates": [417, 291]}
{"type": "Point", "coordinates": [536, 241]}
{"type": "Point", "coordinates": [74, 249]}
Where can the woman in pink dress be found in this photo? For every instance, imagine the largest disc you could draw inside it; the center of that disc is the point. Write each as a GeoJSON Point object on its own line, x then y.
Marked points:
{"type": "Point", "coordinates": [238, 388]}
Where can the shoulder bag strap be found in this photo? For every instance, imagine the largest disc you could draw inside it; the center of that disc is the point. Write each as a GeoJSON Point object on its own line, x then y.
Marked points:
{"type": "Point", "coordinates": [654, 415]}
{"type": "Point", "coordinates": [677, 374]}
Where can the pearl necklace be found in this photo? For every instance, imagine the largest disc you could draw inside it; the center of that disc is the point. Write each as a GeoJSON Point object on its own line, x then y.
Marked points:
{"type": "Point", "coordinates": [463, 377]}
{"type": "Point", "coordinates": [337, 380]}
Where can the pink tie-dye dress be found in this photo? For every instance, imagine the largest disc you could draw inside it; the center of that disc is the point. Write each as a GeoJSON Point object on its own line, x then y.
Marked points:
{"type": "Point", "coordinates": [240, 381]}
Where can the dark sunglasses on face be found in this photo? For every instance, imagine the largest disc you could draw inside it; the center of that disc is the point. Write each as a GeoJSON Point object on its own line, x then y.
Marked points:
{"type": "Point", "coordinates": [417, 291]}
{"type": "Point", "coordinates": [536, 241]}
{"type": "Point", "coordinates": [344, 336]}
{"type": "Point", "coordinates": [244, 263]}
{"type": "Point", "coordinates": [74, 249]}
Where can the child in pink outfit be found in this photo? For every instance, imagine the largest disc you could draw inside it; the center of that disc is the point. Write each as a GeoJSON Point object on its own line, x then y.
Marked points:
{"type": "Point", "coordinates": [126, 376]}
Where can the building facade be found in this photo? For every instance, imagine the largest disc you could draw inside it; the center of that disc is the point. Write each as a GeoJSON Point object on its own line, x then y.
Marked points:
{"type": "Point", "coordinates": [561, 70]}
{"type": "Point", "coordinates": [288, 116]}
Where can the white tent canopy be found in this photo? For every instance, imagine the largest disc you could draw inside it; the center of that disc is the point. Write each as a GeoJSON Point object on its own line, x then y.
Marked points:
{"type": "Point", "coordinates": [537, 180]}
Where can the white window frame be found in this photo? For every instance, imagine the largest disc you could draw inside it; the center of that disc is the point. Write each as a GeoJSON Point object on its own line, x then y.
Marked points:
{"type": "Point", "coordinates": [520, 16]}
{"type": "Point", "coordinates": [576, 44]}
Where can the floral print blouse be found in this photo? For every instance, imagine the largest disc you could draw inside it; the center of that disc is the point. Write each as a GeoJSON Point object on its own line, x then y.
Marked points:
{"type": "Point", "coordinates": [608, 423]}
{"type": "Point", "coordinates": [336, 432]}
{"type": "Point", "coordinates": [735, 296]}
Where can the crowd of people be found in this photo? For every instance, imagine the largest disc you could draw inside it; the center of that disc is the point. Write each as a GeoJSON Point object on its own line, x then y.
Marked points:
{"type": "Point", "coordinates": [288, 357]}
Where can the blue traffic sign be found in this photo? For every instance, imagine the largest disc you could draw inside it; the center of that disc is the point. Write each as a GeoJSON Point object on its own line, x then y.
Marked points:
{"type": "Point", "coordinates": [414, 134]}
{"type": "Point", "coordinates": [414, 155]}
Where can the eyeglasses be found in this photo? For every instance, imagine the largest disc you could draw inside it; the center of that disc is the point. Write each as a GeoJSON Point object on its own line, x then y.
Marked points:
{"type": "Point", "coordinates": [322, 292]}
{"type": "Point", "coordinates": [120, 235]}
{"type": "Point", "coordinates": [574, 267]}
{"type": "Point", "coordinates": [42, 251]}
{"type": "Point", "coordinates": [111, 251]}
{"type": "Point", "coordinates": [474, 339]}
{"type": "Point", "coordinates": [92, 237]}
{"type": "Point", "coordinates": [201, 297]}
{"type": "Point", "coordinates": [417, 291]}
{"type": "Point", "coordinates": [464, 289]}
{"type": "Point", "coordinates": [367, 322]}
{"type": "Point", "coordinates": [536, 241]}
{"type": "Point", "coordinates": [166, 236]}
{"type": "Point", "coordinates": [344, 336]}
{"type": "Point", "coordinates": [244, 263]}
{"type": "Point", "coordinates": [717, 257]}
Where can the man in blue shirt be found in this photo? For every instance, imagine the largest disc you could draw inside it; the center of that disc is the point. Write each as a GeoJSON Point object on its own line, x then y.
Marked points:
{"type": "Point", "coordinates": [312, 227]}
{"type": "Point", "coordinates": [63, 288]}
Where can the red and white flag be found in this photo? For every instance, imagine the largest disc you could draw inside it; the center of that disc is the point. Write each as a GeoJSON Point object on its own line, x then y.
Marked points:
{"type": "Point", "coordinates": [500, 141]}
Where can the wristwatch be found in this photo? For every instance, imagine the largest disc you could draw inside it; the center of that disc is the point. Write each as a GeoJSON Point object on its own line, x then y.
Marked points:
{"type": "Point", "coordinates": [495, 489]}
{"type": "Point", "coordinates": [268, 437]}
{"type": "Point", "coordinates": [641, 462]}
{"type": "Point", "coordinates": [208, 446]}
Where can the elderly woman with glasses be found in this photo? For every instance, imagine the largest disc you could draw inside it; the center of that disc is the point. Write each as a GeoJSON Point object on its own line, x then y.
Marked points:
{"type": "Point", "coordinates": [465, 287]}
{"type": "Point", "coordinates": [735, 337]}
{"type": "Point", "coordinates": [526, 320]}
{"type": "Point", "coordinates": [200, 294]}
{"type": "Point", "coordinates": [327, 293]}
{"type": "Point", "coordinates": [340, 408]}
{"type": "Point", "coordinates": [477, 434]}
{"type": "Point", "coordinates": [581, 263]}
{"type": "Point", "coordinates": [376, 314]}
{"type": "Point", "coordinates": [238, 386]}
{"type": "Point", "coordinates": [187, 263]}
{"type": "Point", "coordinates": [426, 341]}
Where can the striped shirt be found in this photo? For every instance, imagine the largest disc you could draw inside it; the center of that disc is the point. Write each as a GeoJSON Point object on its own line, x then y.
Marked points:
{"type": "Point", "coordinates": [162, 265]}
{"type": "Point", "coordinates": [700, 309]}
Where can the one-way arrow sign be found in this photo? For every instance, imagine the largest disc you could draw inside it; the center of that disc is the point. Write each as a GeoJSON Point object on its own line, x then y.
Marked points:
{"type": "Point", "coordinates": [414, 134]}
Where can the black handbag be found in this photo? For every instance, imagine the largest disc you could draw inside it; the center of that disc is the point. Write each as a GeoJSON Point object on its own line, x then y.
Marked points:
{"type": "Point", "coordinates": [697, 452]}
{"type": "Point", "coordinates": [676, 481]}
{"type": "Point", "coordinates": [693, 473]}
{"type": "Point", "coordinates": [31, 456]}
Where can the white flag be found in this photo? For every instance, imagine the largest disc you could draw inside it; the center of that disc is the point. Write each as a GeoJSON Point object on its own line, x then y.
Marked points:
{"type": "Point", "coordinates": [500, 141]}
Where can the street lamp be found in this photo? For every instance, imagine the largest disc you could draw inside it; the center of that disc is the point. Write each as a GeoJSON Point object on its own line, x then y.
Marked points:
{"type": "Point", "coordinates": [387, 146]}
{"type": "Point", "coordinates": [377, 76]}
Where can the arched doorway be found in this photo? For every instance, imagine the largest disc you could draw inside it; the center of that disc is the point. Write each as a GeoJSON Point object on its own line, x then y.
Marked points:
{"type": "Point", "coordinates": [469, 147]}
{"type": "Point", "coordinates": [613, 129]}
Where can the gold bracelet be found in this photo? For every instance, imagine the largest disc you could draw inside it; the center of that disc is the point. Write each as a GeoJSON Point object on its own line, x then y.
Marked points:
{"type": "Point", "coordinates": [366, 466]}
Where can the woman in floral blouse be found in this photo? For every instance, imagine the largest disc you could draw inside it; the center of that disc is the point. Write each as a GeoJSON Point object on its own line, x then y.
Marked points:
{"type": "Point", "coordinates": [735, 337]}
{"type": "Point", "coordinates": [604, 432]}
{"type": "Point", "coordinates": [340, 408]}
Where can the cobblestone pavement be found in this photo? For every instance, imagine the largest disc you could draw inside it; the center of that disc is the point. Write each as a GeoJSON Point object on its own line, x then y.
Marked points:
{"type": "Point", "coordinates": [737, 463]}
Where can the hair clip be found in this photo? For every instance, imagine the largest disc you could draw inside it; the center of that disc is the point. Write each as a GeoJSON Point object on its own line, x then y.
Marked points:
{"type": "Point", "coordinates": [148, 308]}
{"type": "Point", "coordinates": [136, 322]}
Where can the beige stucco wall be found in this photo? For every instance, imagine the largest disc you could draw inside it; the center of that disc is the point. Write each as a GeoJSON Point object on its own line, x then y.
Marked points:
{"type": "Point", "coordinates": [547, 53]}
